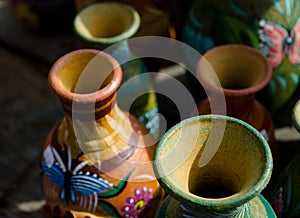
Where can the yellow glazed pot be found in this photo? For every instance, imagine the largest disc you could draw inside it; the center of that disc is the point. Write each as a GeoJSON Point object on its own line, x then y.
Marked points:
{"type": "Point", "coordinates": [213, 166]}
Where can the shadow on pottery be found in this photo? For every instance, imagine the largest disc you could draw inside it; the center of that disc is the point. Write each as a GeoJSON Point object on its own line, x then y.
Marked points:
{"type": "Point", "coordinates": [229, 185]}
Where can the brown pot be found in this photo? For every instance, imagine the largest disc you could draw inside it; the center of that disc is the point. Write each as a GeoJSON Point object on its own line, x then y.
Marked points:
{"type": "Point", "coordinates": [235, 73]}
{"type": "Point", "coordinates": [98, 160]}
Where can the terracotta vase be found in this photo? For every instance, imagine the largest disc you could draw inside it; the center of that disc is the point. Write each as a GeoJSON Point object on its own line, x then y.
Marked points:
{"type": "Point", "coordinates": [236, 73]}
{"type": "Point", "coordinates": [213, 166]}
{"type": "Point", "coordinates": [269, 26]}
{"type": "Point", "coordinates": [101, 26]}
{"type": "Point", "coordinates": [96, 162]}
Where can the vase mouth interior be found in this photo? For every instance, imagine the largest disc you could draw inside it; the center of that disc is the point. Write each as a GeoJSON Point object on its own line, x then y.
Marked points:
{"type": "Point", "coordinates": [235, 68]}
{"type": "Point", "coordinates": [107, 22]}
{"type": "Point", "coordinates": [236, 173]}
{"type": "Point", "coordinates": [86, 74]}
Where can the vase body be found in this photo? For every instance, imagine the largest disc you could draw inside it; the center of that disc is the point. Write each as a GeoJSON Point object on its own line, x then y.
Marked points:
{"type": "Point", "coordinates": [96, 162]}
{"type": "Point", "coordinates": [285, 195]}
{"type": "Point", "coordinates": [238, 82]}
{"type": "Point", "coordinates": [213, 166]}
{"type": "Point", "coordinates": [109, 32]}
{"type": "Point", "coordinates": [269, 26]}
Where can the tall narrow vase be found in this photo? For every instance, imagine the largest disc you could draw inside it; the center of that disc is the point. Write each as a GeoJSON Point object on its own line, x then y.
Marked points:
{"type": "Point", "coordinates": [240, 72]}
{"type": "Point", "coordinates": [108, 25]}
{"type": "Point", "coordinates": [96, 162]}
{"type": "Point", "coordinates": [213, 166]}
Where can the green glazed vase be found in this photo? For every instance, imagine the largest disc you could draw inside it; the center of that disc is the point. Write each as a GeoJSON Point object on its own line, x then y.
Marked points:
{"type": "Point", "coordinates": [213, 166]}
{"type": "Point", "coordinates": [285, 193]}
{"type": "Point", "coordinates": [272, 26]}
{"type": "Point", "coordinates": [107, 26]}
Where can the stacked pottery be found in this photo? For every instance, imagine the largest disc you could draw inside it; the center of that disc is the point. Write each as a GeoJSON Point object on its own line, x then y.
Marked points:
{"type": "Point", "coordinates": [108, 26]}
{"type": "Point", "coordinates": [269, 26]}
{"type": "Point", "coordinates": [236, 73]}
{"type": "Point", "coordinates": [213, 166]}
{"type": "Point", "coordinates": [97, 161]}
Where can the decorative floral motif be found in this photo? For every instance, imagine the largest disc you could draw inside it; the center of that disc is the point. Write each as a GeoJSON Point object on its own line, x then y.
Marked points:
{"type": "Point", "coordinates": [136, 204]}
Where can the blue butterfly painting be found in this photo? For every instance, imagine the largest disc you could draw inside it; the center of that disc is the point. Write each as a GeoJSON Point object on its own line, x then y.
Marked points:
{"type": "Point", "coordinates": [73, 181]}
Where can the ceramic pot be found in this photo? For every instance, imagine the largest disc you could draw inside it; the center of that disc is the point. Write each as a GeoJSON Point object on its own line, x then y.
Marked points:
{"type": "Point", "coordinates": [240, 72]}
{"type": "Point", "coordinates": [101, 25]}
{"type": "Point", "coordinates": [269, 26]}
{"type": "Point", "coordinates": [213, 166]}
{"type": "Point", "coordinates": [296, 115]}
{"type": "Point", "coordinates": [155, 17]}
{"type": "Point", "coordinates": [284, 195]}
{"type": "Point", "coordinates": [96, 162]}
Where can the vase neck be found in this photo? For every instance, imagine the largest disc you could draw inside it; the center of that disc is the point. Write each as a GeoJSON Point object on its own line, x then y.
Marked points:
{"type": "Point", "coordinates": [239, 105]}
{"type": "Point", "coordinates": [201, 212]}
{"type": "Point", "coordinates": [88, 111]}
{"type": "Point", "coordinates": [92, 137]}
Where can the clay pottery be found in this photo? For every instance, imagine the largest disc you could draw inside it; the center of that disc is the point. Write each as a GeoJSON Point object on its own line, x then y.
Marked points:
{"type": "Point", "coordinates": [213, 166]}
{"type": "Point", "coordinates": [96, 162]}
{"type": "Point", "coordinates": [236, 73]}
{"type": "Point", "coordinates": [155, 17]}
{"type": "Point", "coordinates": [101, 26]}
{"type": "Point", "coordinates": [296, 115]}
{"type": "Point", "coordinates": [269, 26]}
{"type": "Point", "coordinates": [284, 195]}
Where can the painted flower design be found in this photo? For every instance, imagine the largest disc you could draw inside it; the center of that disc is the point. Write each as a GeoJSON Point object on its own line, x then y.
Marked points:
{"type": "Point", "coordinates": [137, 203]}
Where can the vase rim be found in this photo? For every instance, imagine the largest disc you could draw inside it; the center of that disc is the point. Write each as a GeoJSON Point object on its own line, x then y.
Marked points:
{"type": "Point", "coordinates": [129, 32]}
{"type": "Point", "coordinates": [243, 91]}
{"type": "Point", "coordinates": [232, 201]}
{"type": "Point", "coordinates": [296, 115]}
{"type": "Point", "coordinates": [91, 97]}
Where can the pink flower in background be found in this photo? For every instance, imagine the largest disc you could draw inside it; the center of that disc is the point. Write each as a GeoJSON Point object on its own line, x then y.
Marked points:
{"type": "Point", "coordinates": [137, 203]}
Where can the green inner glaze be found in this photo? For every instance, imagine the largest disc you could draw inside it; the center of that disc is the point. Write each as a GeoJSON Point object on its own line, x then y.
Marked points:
{"type": "Point", "coordinates": [296, 115]}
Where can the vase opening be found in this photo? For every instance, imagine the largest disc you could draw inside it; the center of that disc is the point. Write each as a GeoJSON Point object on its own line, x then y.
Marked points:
{"type": "Point", "coordinates": [72, 70]}
{"type": "Point", "coordinates": [235, 66]}
{"type": "Point", "coordinates": [107, 22]}
{"type": "Point", "coordinates": [86, 76]}
{"type": "Point", "coordinates": [236, 172]}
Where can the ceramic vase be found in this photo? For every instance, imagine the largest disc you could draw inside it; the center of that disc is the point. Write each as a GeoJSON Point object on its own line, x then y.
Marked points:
{"type": "Point", "coordinates": [269, 26]}
{"type": "Point", "coordinates": [296, 115]}
{"type": "Point", "coordinates": [97, 161]}
{"type": "Point", "coordinates": [155, 17]}
{"type": "Point", "coordinates": [284, 195]}
{"type": "Point", "coordinates": [107, 26]}
{"type": "Point", "coordinates": [236, 73]}
{"type": "Point", "coordinates": [213, 166]}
